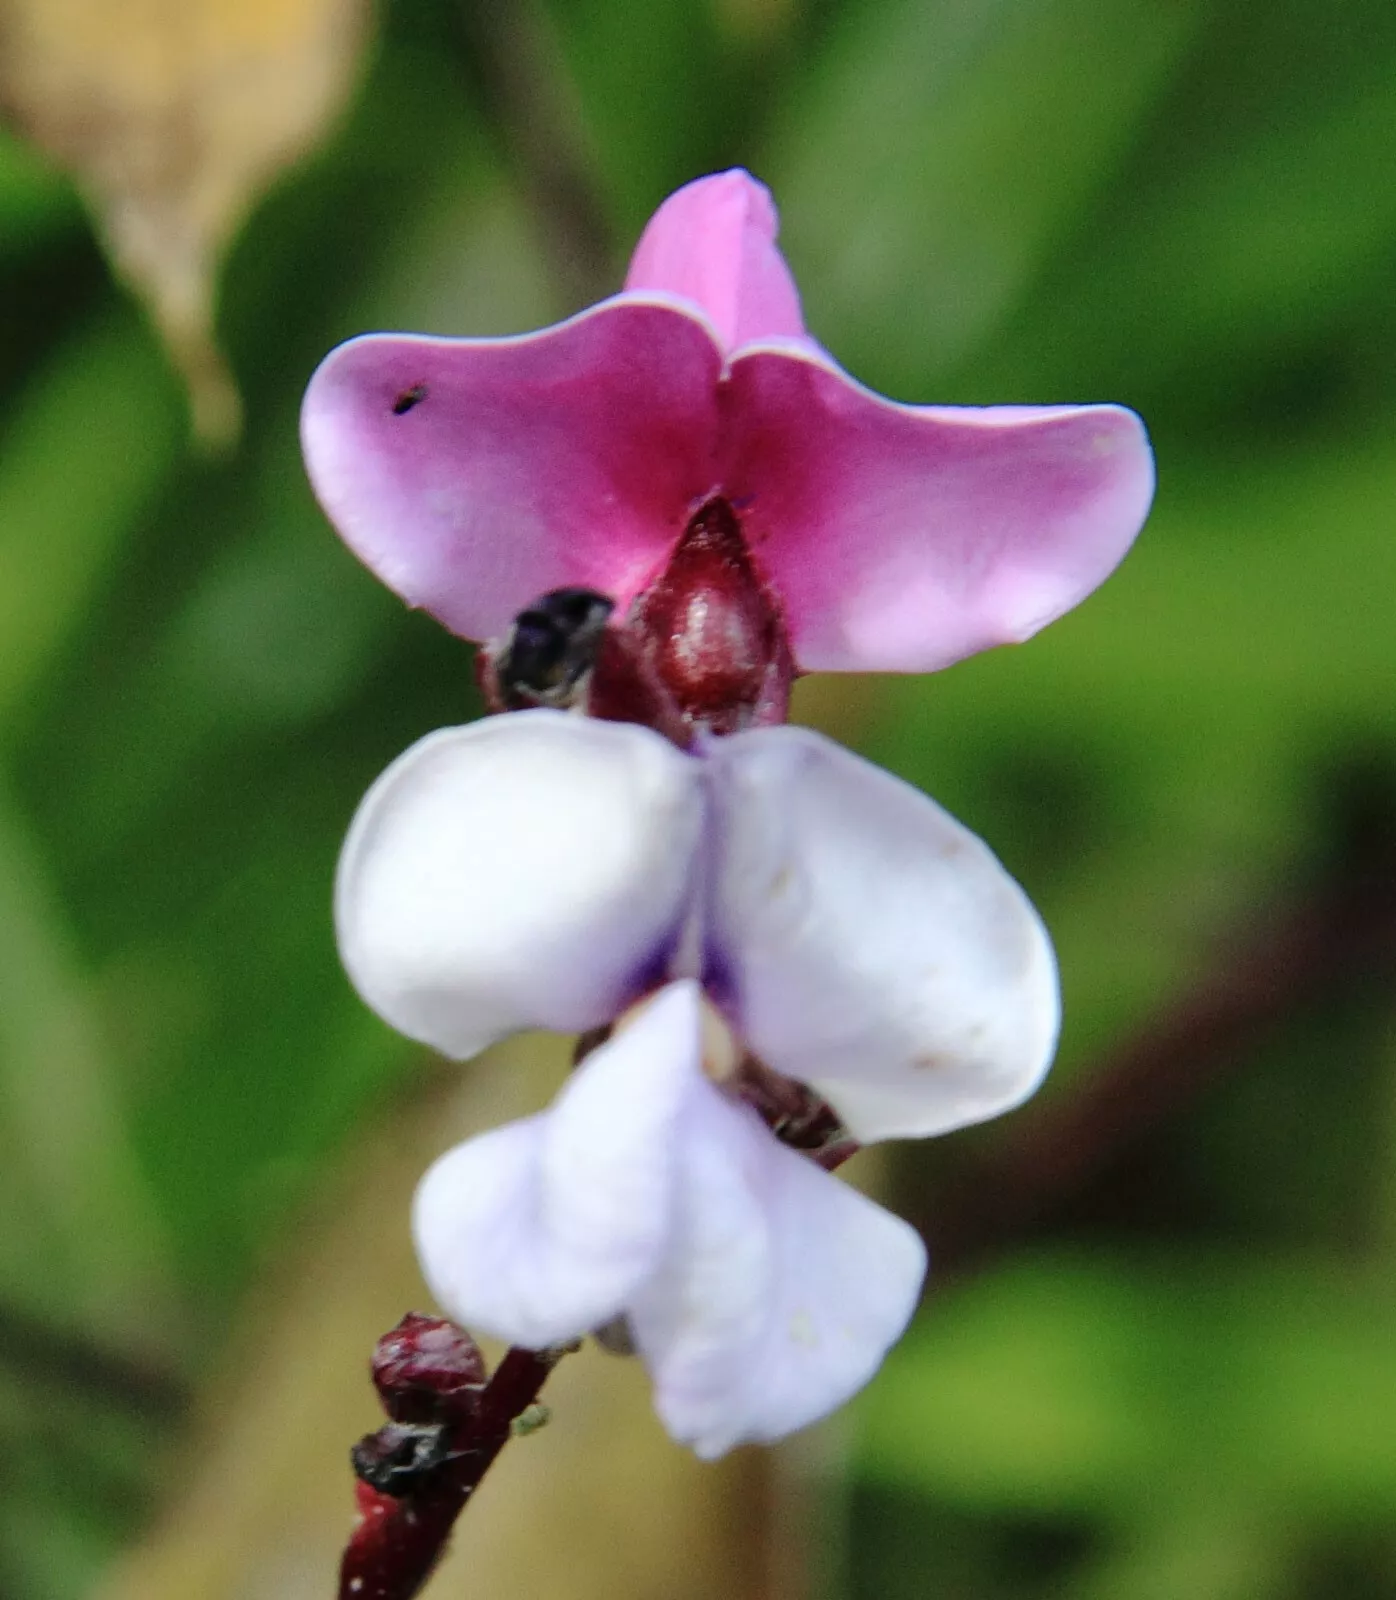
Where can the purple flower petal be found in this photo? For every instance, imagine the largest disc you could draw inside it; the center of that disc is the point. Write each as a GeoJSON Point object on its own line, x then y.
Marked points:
{"type": "Point", "coordinates": [714, 242]}
{"type": "Point", "coordinates": [544, 1229]}
{"type": "Point", "coordinates": [474, 474]}
{"type": "Point", "coordinates": [779, 1291]}
{"type": "Point", "coordinates": [875, 948]}
{"type": "Point", "coordinates": [525, 871]}
{"type": "Point", "coordinates": [901, 538]}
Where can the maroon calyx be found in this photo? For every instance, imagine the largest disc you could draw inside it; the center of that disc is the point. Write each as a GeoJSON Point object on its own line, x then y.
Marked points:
{"type": "Point", "coordinates": [702, 649]}
{"type": "Point", "coordinates": [712, 630]}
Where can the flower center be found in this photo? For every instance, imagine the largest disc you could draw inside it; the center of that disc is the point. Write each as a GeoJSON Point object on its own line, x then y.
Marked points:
{"type": "Point", "coordinates": [722, 1056]}
{"type": "Point", "coordinates": [793, 1112]}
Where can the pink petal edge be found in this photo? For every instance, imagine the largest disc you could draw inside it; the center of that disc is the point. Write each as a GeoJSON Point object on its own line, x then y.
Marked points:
{"type": "Point", "coordinates": [473, 474]}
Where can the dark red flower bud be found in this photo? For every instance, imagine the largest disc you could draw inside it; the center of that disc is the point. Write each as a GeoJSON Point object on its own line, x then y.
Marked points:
{"type": "Point", "coordinates": [427, 1370]}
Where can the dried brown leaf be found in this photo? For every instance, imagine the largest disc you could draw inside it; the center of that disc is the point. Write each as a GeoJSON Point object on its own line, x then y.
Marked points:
{"type": "Point", "coordinates": [172, 116]}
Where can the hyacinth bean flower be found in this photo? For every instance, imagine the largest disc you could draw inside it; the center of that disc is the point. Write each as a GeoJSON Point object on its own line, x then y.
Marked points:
{"type": "Point", "coordinates": [744, 912]}
{"type": "Point", "coordinates": [768, 903]}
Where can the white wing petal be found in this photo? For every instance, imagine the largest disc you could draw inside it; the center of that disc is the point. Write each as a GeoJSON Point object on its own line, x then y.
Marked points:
{"type": "Point", "coordinates": [529, 870]}
{"type": "Point", "coordinates": [874, 947]}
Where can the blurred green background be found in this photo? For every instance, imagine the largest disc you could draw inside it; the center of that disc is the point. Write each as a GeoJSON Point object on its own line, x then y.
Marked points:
{"type": "Point", "coordinates": [1162, 1362]}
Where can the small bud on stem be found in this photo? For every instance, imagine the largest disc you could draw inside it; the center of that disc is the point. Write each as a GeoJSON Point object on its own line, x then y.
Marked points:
{"type": "Point", "coordinates": [417, 1472]}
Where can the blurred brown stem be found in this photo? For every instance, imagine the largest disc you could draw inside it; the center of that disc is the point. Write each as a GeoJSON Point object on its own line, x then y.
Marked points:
{"type": "Point", "coordinates": [523, 75]}
{"type": "Point", "coordinates": [44, 1353]}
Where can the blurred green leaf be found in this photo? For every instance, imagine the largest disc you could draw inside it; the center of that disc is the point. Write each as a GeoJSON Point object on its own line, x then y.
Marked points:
{"type": "Point", "coordinates": [85, 448]}
{"type": "Point", "coordinates": [1245, 226]}
{"type": "Point", "coordinates": [1111, 1384]}
{"type": "Point", "coordinates": [631, 68]}
{"type": "Point", "coordinates": [92, 1250]}
{"type": "Point", "coordinates": [1200, 1549]}
{"type": "Point", "coordinates": [938, 155]}
{"type": "Point", "coordinates": [36, 202]}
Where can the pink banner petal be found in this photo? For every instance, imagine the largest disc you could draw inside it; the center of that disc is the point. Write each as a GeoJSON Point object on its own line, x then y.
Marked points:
{"type": "Point", "coordinates": [473, 475]}
{"type": "Point", "coordinates": [902, 538]}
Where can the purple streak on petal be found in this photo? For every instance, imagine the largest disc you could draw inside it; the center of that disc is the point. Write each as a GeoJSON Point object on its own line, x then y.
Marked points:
{"type": "Point", "coordinates": [872, 947]}
{"type": "Point", "coordinates": [472, 475]}
{"type": "Point", "coordinates": [714, 242]}
{"type": "Point", "coordinates": [544, 1229]}
{"type": "Point", "coordinates": [780, 1290]}
{"type": "Point", "coordinates": [902, 538]}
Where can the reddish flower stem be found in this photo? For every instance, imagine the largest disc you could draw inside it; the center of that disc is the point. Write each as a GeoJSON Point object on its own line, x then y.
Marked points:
{"type": "Point", "coordinates": [399, 1538]}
